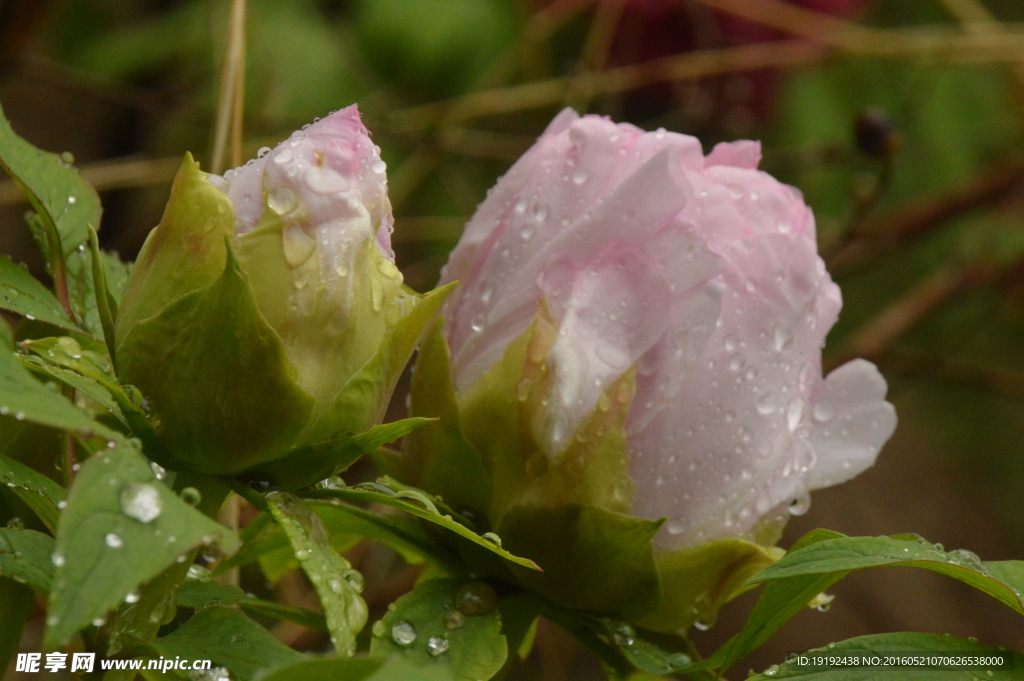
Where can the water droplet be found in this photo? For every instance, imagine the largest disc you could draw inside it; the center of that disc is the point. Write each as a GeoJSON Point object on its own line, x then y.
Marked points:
{"type": "Point", "coordinates": [771, 671]}
{"type": "Point", "coordinates": [141, 501]}
{"type": "Point", "coordinates": [262, 152]}
{"type": "Point", "coordinates": [492, 538]}
{"type": "Point", "coordinates": [377, 294]}
{"type": "Point", "coordinates": [158, 471]}
{"type": "Point", "coordinates": [57, 558]}
{"type": "Point", "coordinates": [99, 622]}
{"type": "Point", "coordinates": [379, 166]}
{"type": "Point", "coordinates": [437, 645]}
{"type": "Point", "coordinates": [454, 620]}
{"type": "Point", "coordinates": [403, 633]}
{"type": "Point", "coordinates": [736, 362]}
{"type": "Point", "coordinates": [72, 199]}
{"type": "Point", "coordinates": [731, 343]}
{"type": "Point", "coordinates": [521, 206]}
{"type": "Point", "coordinates": [794, 412]}
{"type": "Point", "coordinates": [282, 200]}
{"type": "Point", "coordinates": [801, 504]}
{"type": "Point", "coordinates": [298, 245]}
{"type": "Point", "coordinates": [70, 347]}
{"type": "Point", "coordinates": [623, 635]}
{"type": "Point", "coordinates": [767, 403]}
{"type": "Point", "coordinates": [67, 157]}
{"type": "Point", "coordinates": [283, 156]}
{"type": "Point", "coordinates": [16, 523]}
{"type": "Point", "coordinates": [61, 505]}
{"type": "Point", "coordinates": [476, 598]}
{"type": "Point", "coordinates": [113, 541]}
{"type": "Point", "coordinates": [824, 411]}
{"type": "Point", "coordinates": [132, 597]}
{"type": "Point", "coordinates": [191, 496]}
{"type": "Point", "coordinates": [477, 323]}
{"type": "Point", "coordinates": [783, 336]}
{"type": "Point", "coordinates": [967, 559]}
{"type": "Point", "coordinates": [580, 176]}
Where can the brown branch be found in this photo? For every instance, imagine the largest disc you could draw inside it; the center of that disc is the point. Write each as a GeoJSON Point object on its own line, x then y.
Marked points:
{"type": "Point", "coordinates": [996, 380]}
{"type": "Point", "coordinates": [123, 173]}
{"type": "Point", "coordinates": [888, 231]}
{"type": "Point", "coordinates": [877, 335]}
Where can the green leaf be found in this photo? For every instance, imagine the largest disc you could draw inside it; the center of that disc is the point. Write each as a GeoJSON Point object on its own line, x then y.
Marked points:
{"type": "Point", "coordinates": [336, 583]}
{"type": "Point", "coordinates": [87, 370]}
{"type": "Point", "coordinates": [395, 668]}
{"type": "Point", "coordinates": [471, 646]}
{"type": "Point", "coordinates": [47, 368]}
{"type": "Point", "coordinates": [22, 294]}
{"type": "Point", "coordinates": [55, 189]}
{"type": "Point", "coordinates": [16, 603]}
{"type": "Point", "coordinates": [346, 525]}
{"type": "Point", "coordinates": [308, 464]}
{"type": "Point", "coordinates": [39, 492]}
{"type": "Point", "coordinates": [438, 457]}
{"type": "Point", "coordinates": [90, 272]}
{"type": "Point", "coordinates": [110, 516]}
{"type": "Point", "coordinates": [28, 399]}
{"type": "Point", "coordinates": [696, 582]}
{"type": "Point", "coordinates": [593, 559]}
{"type": "Point", "coordinates": [901, 643]}
{"type": "Point", "coordinates": [188, 360]}
{"type": "Point", "coordinates": [324, 669]}
{"type": "Point", "coordinates": [422, 506]}
{"type": "Point", "coordinates": [25, 557]}
{"type": "Point", "coordinates": [777, 604]}
{"type": "Point", "coordinates": [285, 613]}
{"type": "Point", "coordinates": [148, 607]}
{"type": "Point", "coordinates": [199, 593]}
{"type": "Point", "coordinates": [844, 554]}
{"type": "Point", "coordinates": [229, 639]}
{"type": "Point", "coordinates": [362, 401]}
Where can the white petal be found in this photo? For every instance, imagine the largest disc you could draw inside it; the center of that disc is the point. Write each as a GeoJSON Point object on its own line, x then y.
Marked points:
{"type": "Point", "coordinates": [852, 421]}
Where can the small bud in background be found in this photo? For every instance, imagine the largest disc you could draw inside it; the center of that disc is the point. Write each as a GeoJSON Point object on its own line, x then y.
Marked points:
{"type": "Point", "coordinates": [876, 134]}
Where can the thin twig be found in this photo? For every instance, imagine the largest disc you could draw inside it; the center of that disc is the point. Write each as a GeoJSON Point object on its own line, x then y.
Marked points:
{"type": "Point", "coordinates": [232, 83]}
{"type": "Point", "coordinates": [996, 380]}
{"type": "Point", "coordinates": [887, 231]}
{"type": "Point", "coordinates": [123, 173]}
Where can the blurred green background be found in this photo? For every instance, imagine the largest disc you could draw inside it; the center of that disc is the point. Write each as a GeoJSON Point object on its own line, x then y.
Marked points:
{"type": "Point", "coordinates": [901, 122]}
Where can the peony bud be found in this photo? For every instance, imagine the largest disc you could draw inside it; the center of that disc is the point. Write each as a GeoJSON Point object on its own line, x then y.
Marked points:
{"type": "Point", "coordinates": [613, 268]}
{"type": "Point", "coordinates": [258, 306]}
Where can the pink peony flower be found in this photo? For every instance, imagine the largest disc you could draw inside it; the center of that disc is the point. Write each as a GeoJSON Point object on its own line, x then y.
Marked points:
{"type": "Point", "coordinates": [702, 273]}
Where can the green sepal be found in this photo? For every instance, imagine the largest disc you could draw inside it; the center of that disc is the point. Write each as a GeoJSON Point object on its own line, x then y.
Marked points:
{"type": "Point", "coordinates": [438, 457]}
{"type": "Point", "coordinates": [592, 559]}
{"type": "Point", "coordinates": [25, 558]}
{"type": "Point", "coordinates": [308, 464]}
{"type": "Point", "coordinates": [362, 401]}
{"type": "Point", "coordinates": [696, 582]}
{"type": "Point", "coordinates": [185, 252]}
{"type": "Point", "coordinates": [217, 375]}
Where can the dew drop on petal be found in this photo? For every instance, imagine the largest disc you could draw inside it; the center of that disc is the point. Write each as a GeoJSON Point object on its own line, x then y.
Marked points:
{"type": "Point", "coordinates": [767, 403]}
{"type": "Point", "coordinates": [824, 411]}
